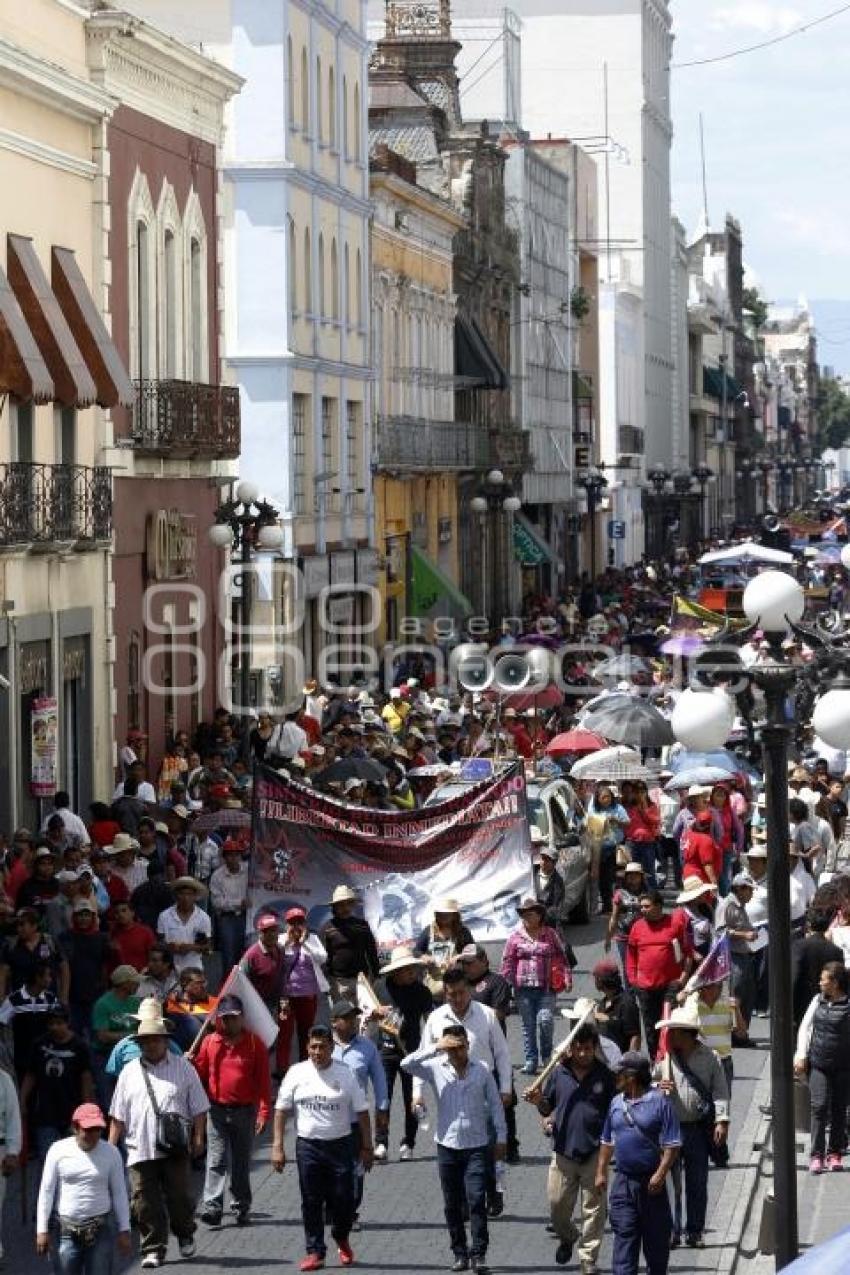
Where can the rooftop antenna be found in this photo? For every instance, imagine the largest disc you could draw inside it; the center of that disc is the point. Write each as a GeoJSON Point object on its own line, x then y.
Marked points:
{"type": "Point", "coordinates": [704, 177]}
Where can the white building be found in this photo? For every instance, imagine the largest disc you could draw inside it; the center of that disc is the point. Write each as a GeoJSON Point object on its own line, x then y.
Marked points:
{"type": "Point", "coordinates": [297, 265]}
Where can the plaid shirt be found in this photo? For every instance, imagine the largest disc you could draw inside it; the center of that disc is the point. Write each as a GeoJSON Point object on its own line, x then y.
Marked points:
{"type": "Point", "coordinates": [527, 961]}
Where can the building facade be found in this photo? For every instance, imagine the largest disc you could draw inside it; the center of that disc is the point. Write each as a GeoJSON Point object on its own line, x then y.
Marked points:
{"type": "Point", "coordinates": [60, 375]}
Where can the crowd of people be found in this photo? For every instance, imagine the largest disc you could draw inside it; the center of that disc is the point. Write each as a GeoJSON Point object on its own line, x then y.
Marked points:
{"type": "Point", "coordinates": [123, 1066]}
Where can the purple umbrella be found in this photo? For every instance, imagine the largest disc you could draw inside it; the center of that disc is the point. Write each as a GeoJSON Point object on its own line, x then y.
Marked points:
{"type": "Point", "coordinates": [683, 644]}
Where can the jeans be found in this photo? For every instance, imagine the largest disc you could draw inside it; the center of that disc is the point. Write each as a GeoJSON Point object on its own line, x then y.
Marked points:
{"type": "Point", "coordinates": [71, 1258]}
{"type": "Point", "coordinates": [695, 1172]}
{"type": "Point", "coordinates": [230, 938]}
{"type": "Point", "coordinates": [392, 1069]}
{"type": "Point", "coordinates": [161, 1193]}
{"type": "Point", "coordinates": [536, 1006]}
{"type": "Point", "coordinates": [743, 983]}
{"type": "Point", "coordinates": [669, 853]}
{"type": "Point", "coordinates": [622, 949]}
{"type": "Point", "coordinates": [639, 1219]}
{"type": "Point", "coordinates": [725, 883]}
{"type": "Point", "coordinates": [829, 1094]}
{"type": "Point", "coordinates": [230, 1140]}
{"type": "Point", "coordinates": [326, 1178]}
{"type": "Point", "coordinates": [463, 1178]}
{"type": "Point", "coordinates": [762, 1001]}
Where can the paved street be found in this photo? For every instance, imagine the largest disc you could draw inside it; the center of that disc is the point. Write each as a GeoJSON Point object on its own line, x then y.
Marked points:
{"type": "Point", "coordinates": [402, 1218]}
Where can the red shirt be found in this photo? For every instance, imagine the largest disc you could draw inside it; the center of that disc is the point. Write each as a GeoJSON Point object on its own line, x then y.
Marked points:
{"type": "Point", "coordinates": [644, 825]}
{"type": "Point", "coordinates": [701, 851]}
{"type": "Point", "coordinates": [311, 728]}
{"type": "Point", "coordinates": [265, 972]}
{"type": "Point", "coordinates": [652, 961]}
{"type": "Point", "coordinates": [133, 945]}
{"type": "Point", "coordinates": [235, 1072]}
{"type": "Point", "coordinates": [103, 831]}
{"type": "Point", "coordinates": [17, 875]}
{"type": "Point", "coordinates": [116, 889]}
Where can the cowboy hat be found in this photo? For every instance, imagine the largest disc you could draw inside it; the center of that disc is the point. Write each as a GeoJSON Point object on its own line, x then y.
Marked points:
{"type": "Point", "coordinates": [402, 959]}
{"type": "Point", "coordinates": [149, 1007]}
{"type": "Point", "coordinates": [153, 1027]}
{"type": "Point", "coordinates": [684, 1018]}
{"type": "Point", "coordinates": [699, 790]}
{"type": "Point", "coordinates": [188, 883]}
{"type": "Point", "coordinates": [446, 906]}
{"type": "Point", "coordinates": [120, 842]}
{"type": "Point", "coordinates": [758, 850]}
{"type": "Point", "coordinates": [692, 888]}
{"type": "Point", "coordinates": [633, 867]}
{"type": "Point", "coordinates": [584, 1005]}
{"type": "Point", "coordinates": [344, 894]}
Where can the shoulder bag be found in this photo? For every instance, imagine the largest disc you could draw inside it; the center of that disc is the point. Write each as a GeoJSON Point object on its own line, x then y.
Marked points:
{"type": "Point", "coordinates": [718, 1153]}
{"type": "Point", "coordinates": [172, 1129]}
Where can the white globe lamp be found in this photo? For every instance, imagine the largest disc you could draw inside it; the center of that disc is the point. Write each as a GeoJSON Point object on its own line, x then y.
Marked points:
{"type": "Point", "coordinates": [831, 718]}
{"type": "Point", "coordinates": [495, 478]}
{"type": "Point", "coordinates": [703, 720]}
{"type": "Point", "coordinates": [247, 492]}
{"type": "Point", "coordinates": [478, 504]}
{"type": "Point", "coordinates": [772, 600]}
{"type": "Point", "coordinates": [270, 536]}
{"type": "Point", "coordinates": [221, 534]}
{"type": "Point", "coordinates": [511, 504]}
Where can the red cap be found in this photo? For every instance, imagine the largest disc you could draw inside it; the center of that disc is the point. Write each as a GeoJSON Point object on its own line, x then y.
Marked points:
{"type": "Point", "coordinates": [268, 922]}
{"type": "Point", "coordinates": [89, 1116]}
{"type": "Point", "coordinates": [295, 914]}
{"type": "Point", "coordinates": [220, 791]}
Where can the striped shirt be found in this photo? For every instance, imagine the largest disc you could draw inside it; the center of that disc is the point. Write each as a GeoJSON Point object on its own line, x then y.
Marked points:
{"type": "Point", "coordinates": [467, 1105]}
{"type": "Point", "coordinates": [715, 1022]}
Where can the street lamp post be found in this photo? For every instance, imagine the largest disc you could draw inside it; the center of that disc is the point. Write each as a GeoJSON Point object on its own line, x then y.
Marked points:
{"type": "Point", "coordinates": [242, 524]}
{"type": "Point", "coordinates": [496, 496]}
{"type": "Point", "coordinates": [594, 483]}
{"type": "Point", "coordinates": [660, 480]}
{"type": "Point", "coordinates": [766, 467]}
{"type": "Point", "coordinates": [702, 473]}
{"type": "Point", "coordinates": [774, 602]}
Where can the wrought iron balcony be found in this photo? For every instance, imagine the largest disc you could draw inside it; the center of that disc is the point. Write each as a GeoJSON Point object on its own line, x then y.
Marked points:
{"type": "Point", "coordinates": [410, 443]}
{"type": "Point", "coordinates": [186, 419]}
{"type": "Point", "coordinates": [48, 506]}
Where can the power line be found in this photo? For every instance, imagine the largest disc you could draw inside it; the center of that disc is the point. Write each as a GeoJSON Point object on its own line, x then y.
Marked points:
{"type": "Point", "coordinates": [466, 88]}
{"type": "Point", "coordinates": [764, 44]}
{"type": "Point", "coordinates": [480, 57]}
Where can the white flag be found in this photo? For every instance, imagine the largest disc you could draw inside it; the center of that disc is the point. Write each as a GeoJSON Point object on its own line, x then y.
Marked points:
{"type": "Point", "coordinates": [257, 1017]}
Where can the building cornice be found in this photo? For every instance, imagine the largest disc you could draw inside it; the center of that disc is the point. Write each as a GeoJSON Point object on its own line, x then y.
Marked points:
{"type": "Point", "coordinates": [44, 154]}
{"type": "Point", "coordinates": [284, 170]}
{"type": "Point", "coordinates": [32, 76]}
{"type": "Point", "coordinates": [417, 198]}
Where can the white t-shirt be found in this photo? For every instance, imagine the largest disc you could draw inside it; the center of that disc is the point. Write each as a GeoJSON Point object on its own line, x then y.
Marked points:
{"type": "Point", "coordinates": [172, 929]}
{"type": "Point", "coordinates": [83, 1184]}
{"type": "Point", "coordinates": [176, 1087]}
{"type": "Point", "coordinates": [326, 1103]}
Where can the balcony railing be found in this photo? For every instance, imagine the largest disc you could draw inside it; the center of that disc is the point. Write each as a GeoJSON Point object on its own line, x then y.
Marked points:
{"type": "Point", "coordinates": [50, 505]}
{"type": "Point", "coordinates": [511, 449]}
{"type": "Point", "coordinates": [631, 440]}
{"type": "Point", "coordinates": [186, 419]}
{"type": "Point", "coordinates": [407, 442]}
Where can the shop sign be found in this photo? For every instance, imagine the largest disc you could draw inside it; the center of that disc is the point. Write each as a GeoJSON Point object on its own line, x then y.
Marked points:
{"type": "Point", "coordinates": [44, 728]}
{"type": "Point", "coordinates": [172, 545]}
{"type": "Point", "coordinates": [33, 668]}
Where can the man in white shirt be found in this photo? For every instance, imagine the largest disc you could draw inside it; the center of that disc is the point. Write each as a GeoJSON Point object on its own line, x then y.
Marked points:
{"type": "Point", "coordinates": [160, 1180]}
{"type": "Point", "coordinates": [73, 823]}
{"type": "Point", "coordinates": [487, 1042]}
{"type": "Point", "coordinates": [287, 739]}
{"type": "Point", "coordinates": [803, 890]}
{"type": "Point", "coordinates": [185, 928]}
{"type": "Point", "coordinates": [83, 1180]}
{"type": "Point", "coordinates": [229, 903]}
{"type": "Point", "coordinates": [125, 862]}
{"type": "Point", "coordinates": [325, 1100]}
{"type": "Point", "coordinates": [145, 791]}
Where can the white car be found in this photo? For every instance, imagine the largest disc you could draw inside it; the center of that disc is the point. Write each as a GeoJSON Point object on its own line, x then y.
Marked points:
{"type": "Point", "coordinates": [552, 821]}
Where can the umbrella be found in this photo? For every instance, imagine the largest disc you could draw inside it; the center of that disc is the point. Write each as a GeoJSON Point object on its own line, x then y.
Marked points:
{"type": "Point", "coordinates": [575, 741]}
{"type": "Point", "coordinates": [618, 753]}
{"type": "Point", "coordinates": [547, 697]}
{"type": "Point", "coordinates": [617, 769]}
{"type": "Point", "coordinates": [211, 820]}
{"type": "Point", "coordinates": [621, 667]}
{"type": "Point", "coordinates": [635, 722]}
{"type": "Point", "coordinates": [697, 775]}
{"type": "Point", "coordinates": [722, 758]}
{"type": "Point", "coordinates": [363, 768]}
{"type": "Point", "coordinates": [683, 644]}
{"type": "Point", "coordinates": [749, 551]}
{"type": "Point", "coordinates": [829, 1258]}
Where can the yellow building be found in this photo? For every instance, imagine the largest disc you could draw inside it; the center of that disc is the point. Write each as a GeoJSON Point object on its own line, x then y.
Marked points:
{"type": "Point", "coordinates": [419, 447]}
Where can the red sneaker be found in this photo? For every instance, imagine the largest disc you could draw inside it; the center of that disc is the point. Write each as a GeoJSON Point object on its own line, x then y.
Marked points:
{"type": "Point", "coordinates": [346, 1256]}
{"type": "Point", "coordinates": [312, 1262]}
{"type": "Point", "coordinates": [834, 1163]}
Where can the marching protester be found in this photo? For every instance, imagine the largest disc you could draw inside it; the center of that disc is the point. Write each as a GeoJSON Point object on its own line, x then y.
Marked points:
{"type": "Point", "coordinates": [404, 1003]}
{"type": "Point", "coordinates": [441, 941]}
{"type": "Point", "coordinates": [734, 920]}
{"type": "Point", "coordinates": [823, 1053]}
{"type": "Point", "coordinates": [493, 990]}
{"type": "Point", "coordinates": [233, 1066]}
{"type": "Point", "coordinates": [229, 903]}
{"type": "Point", "coordinates": [574, 1102]}
{"type": "Point", "coordinates": [362, 1057]}
{"type": "Point", "coordinates": [303, 982]}
{"type": "Point", "coordinates": [159, 1108]}
{"type": "Point", "coordinates": [625, 910]}
{"type": "Point", "coordinates": [533, 958]}
{"type": "Point", "coordinates": [349, 944]}
{"type": "Point", "coordinates": [659, 958]}
{"type": "Point", "coordinates": [616, 1016]}
{"type": "Point", "coordinates": [83, 1186]}
{"type": "Point", "coordinates": [324, 1100]}
{"type": "Point", "coordinates": [809, 957]}
{"type": "Point", "coordinates": [57, 1080]}
{"type": "Point", "coordinates": [468, 1106]}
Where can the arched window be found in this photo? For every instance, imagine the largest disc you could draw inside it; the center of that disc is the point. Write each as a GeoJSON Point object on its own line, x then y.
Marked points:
{"type": "Point", "coordinates": [321, 298]}
{"type": "Point", "coordinates": [290, 82]}
{"type": "Point", "coordinates": [143, 238]}
{"type": "Point", "coordinates": [308, 273]}
{"type": "Point", "coordinates": [169, 273]}
{"type": "Point", "coordinates": [305, 91]}
{"type": "Point", "coordinates": [345, 150]}
{"type": "Point", "coordinates": [331, 108]}
{"type": "Point", "coordinates": [334, 306]}
{"type": "Point", "coordinates": [144, 289]}
{"type": "Point", "coordinates": [291, 267]}
{"type": "Point", "coordinates": [196, 310]}
{"type": "Point", "coordinates": [346, 286]}
{"type": "Point", "coordinates": [196, 358]}
{"type": "Point", "coordinates": [357, 122]}
{"type": "Point", "coordinates": [320, 127]}
{"type": "Point", "coordinates": [169, 270]}
{"type": "Point", "coordinates": [358, 290]}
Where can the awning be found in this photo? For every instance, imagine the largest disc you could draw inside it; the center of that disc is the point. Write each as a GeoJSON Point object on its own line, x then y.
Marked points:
{"type": "Point", "coordinates": [475, 359]}
{"type": "Point", "coordinates": [712, 384]}
{"type": "Point", "coordinates": [530, 548]}
{"type": "Point", "coordinates": [23, 371]}
{"type": "Point", "coordinates": [431, 586]}
{"type": "Point", "coordinates": [73, 384]}
{"type": "Point", "coordinates": [114, 386]}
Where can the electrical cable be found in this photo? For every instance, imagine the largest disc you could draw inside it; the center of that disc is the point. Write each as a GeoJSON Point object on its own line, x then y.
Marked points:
{"type": "Point", "coordinates": [465, 88]}
{"type": "Point", "coordinates": [480, 58]}
{"type": "Point", "coordinates": [764, 44]}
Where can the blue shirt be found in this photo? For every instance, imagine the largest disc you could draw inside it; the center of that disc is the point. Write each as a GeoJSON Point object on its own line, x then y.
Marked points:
{"type": "Point", "coordinates": [467, 1106]}
{"type": "Point", "coordinates": [579, 1108]}
{"type": "Point", "coordinates": [653, 1124]}
{"type": "Point", "coordinates": [361, 1056]}
{"type": "Point", "coordinates": [129, 1048]}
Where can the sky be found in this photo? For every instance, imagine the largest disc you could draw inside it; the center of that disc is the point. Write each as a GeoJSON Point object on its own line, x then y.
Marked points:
{"type": "Point", "coordinates": [776, 147]}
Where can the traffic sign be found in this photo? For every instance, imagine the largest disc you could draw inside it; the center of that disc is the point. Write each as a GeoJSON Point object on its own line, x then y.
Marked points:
{"type": "Point", "coordinates": [616, 529]}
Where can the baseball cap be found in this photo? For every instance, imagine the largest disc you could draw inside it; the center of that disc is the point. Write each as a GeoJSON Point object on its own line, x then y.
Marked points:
{"type": "Point", "coordinates": [268, 922]}
{"type": "Point", "coordinates": [228, 1005]}
{"type": "Point", "coordinates": [88, 1116]}
{"type": "Point", "coordinates": [295, 914]}
{"type": "Point", "coordinates": [123, 974]}
{"type": "Point", "coordinates": [473, 952]}
{"type": "Point", "coordinates": [342, 1009]}
{"type": "Point", "coordinates": [43, 852]}
{"type": "Point", "coordinates": [83, 905]}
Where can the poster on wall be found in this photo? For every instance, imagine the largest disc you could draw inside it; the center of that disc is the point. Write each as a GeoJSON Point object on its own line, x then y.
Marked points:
{"type": "Point", "coordinates": [474, 848]}
{"type": "Point", "coordinates": [44, 728]}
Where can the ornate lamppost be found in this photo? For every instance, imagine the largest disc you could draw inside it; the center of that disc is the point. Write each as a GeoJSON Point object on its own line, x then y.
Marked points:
{"type": "Point", "coordinates": [494, 497]}
{"type": "Point", "coordinates": [594, 483]}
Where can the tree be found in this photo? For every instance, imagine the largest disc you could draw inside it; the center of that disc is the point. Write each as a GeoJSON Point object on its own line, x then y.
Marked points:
{"type": "Point", "coordinates": [754, 302]}
{"type": "Point", "coordinates": [833, 414]}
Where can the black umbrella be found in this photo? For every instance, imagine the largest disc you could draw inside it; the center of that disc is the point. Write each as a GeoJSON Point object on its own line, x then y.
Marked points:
{"type": "Point", "coordinates": [634, 722]}
{"type": "Point", "coordinates": [362, 768]}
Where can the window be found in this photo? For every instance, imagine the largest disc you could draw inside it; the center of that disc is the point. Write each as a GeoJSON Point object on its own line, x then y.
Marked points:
{"type": "Point", "coordinates": [134, 664]}
{"type": "Point", "coordinates": [331, 108]}
{"type": "Point", "coordinates": [143, 300]}
{"type": "Point", "coordinates": [290, 83]}
{"type": "Point", "coordinates": [320, 126]}
{"type": "Point", "coordinates": [197, 371]}
{"type": "Point", "coordinates": [170, 302]}
{"type": "Point", "coordinates": [346, 286]}
{"type": "Point", "coordinates": [334, 306]}
{"type": "Point", "coordinates": [305, 91]}
{"type": "Point", "coordinates": [23, 443]}
{"type": "Point", "coordinates": [66, 435]}
{"type": "Point", "coordinates": [308, 274]}
{"type": "Point", "coordinates": [357, 122]}
{"type": "Point", "coordinates": [352, 442]}
{"type": "Point", "coordinates": [195, 319]}
{"type": "Point", "coordinates": [358, 290]}
{"type": "Point", "coordinates": [291, 267]}
{"type": "Point", "coordinates": [299, 451]}
{"type": "Point", "coordinates": [321, 297]}
{"type": "Point", "coordinates": [329, 406]}
{"type": "Point", "coordinates": [345, 116]}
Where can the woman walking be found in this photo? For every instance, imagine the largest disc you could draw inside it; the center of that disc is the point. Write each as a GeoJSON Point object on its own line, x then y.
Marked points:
{"type": "Point", "coordinates": [625, 912]}
{"type": "Point", "coordinates": [534, 962]}
{"type": "Point", "coordinates": [643, 831]}
{"type": "Point", "coordinates": [823, 1050]}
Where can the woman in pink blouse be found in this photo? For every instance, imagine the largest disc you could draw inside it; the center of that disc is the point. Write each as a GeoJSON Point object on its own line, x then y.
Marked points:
{"type": "Point", "coordinates": [530, 953]}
